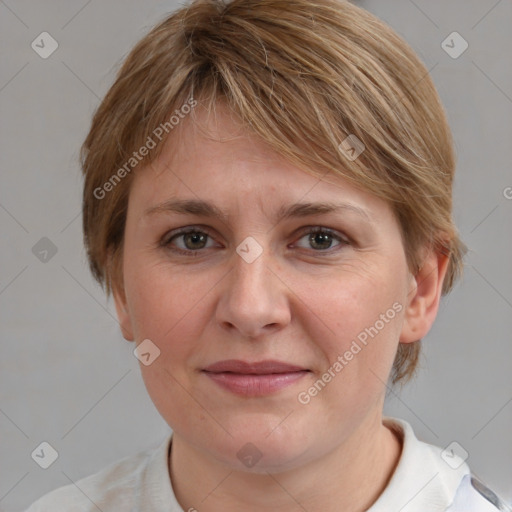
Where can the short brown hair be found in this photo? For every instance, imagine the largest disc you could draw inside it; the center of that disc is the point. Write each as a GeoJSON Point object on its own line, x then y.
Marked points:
{"type": "Point", "coordinates": [303, 75]}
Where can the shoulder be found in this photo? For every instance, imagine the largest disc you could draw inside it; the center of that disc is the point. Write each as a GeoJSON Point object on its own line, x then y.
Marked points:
{"type": "Point", "coordinates": [473, 496]}
{"type": "Point", "coordinates": [116, 487]}
{"type": "Point", "coordinates": [431, 478]}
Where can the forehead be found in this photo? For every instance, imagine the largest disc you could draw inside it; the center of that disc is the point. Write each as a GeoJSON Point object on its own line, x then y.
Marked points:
{"type": "Point", "coordinates": [212, 158]}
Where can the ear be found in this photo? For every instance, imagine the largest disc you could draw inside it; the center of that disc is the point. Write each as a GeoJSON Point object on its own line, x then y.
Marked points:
{"type": "Point", "coordinates": [120, 302]}
{"type": "Point", "coordinates": [424, 296]}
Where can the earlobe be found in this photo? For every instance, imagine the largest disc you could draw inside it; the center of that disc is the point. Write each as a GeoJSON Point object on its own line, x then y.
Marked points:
{"type": "Point", "coordinates": [424, 297]}
{"type": "Point", "coordinates": [115, 276]}
{"type": "Point", "coordinates": [123, 313]}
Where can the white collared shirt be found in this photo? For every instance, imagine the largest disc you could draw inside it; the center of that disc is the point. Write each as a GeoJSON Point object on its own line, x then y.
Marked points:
{"type": "Point", "coordinates": [423, 481]}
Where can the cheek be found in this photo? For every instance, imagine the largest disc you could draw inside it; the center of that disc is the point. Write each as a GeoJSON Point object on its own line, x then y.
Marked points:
{"type": "Point", "coordinates": [169, 309]}
{"type": "Point", "coordinates": [171, 393]}
{"type": "Point", "coordinates": [350, 303]}
{"type": "Point", "coordinates": [164, 303]}
{"type": "Point", "coordinates": [361, 314]}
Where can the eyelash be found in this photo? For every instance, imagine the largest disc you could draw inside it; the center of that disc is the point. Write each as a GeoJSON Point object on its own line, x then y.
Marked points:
{"type": "Point", "coordinates": [166, 241]}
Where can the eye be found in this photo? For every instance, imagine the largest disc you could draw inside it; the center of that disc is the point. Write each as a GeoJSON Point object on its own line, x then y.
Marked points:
{"type": "Point", "coordinates": [190, 241]}
{"type": "Point", "coordinates": [187, 241]}
{"type": "Point", "coordinates": [321, 239]}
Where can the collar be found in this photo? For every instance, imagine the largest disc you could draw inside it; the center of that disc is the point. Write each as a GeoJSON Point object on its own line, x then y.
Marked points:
{"type": "Point", "coordinates": [422, 480]}
{"type": "Point", "coordinates": [156, 488]}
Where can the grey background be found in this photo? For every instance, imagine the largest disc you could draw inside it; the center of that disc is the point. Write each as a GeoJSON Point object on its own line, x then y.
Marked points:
{"type": "Point", "coordinates": [67, 376]}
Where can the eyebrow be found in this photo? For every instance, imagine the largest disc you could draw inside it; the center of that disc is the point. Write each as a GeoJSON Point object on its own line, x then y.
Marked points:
{"type": "Point", "coordinates": [206, 209]}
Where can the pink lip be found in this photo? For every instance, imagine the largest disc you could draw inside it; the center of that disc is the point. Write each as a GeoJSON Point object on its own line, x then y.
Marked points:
{"type": "Point", "coordinates": [254, 379]}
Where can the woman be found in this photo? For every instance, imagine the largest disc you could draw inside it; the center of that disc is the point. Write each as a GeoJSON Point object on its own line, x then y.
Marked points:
{"type": "Point", "coordinates": [268, 195]}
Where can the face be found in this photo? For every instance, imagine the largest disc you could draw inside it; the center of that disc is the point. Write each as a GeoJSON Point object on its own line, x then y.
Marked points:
{"type": "Point", "coordinates": [319, 298]}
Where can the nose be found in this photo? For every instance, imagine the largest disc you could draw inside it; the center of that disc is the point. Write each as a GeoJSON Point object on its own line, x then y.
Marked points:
{"type": "Point", "coordinates": [254, 299]}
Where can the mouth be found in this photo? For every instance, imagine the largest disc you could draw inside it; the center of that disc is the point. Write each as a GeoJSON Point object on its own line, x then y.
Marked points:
{"type": "Point", "coordinates": [254, 379]}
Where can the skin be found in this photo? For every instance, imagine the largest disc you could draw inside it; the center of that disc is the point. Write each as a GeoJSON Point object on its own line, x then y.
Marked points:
{"type": "Point", "coordinates": [295, 303]}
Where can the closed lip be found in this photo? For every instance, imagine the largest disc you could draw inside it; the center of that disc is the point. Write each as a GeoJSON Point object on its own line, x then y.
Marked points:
{"type": "Point", "coordinates": [266, 367]}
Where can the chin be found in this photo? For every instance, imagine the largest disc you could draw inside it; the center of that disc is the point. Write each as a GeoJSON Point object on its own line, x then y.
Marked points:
{"type": "Point", "coordinates": [257, 448]}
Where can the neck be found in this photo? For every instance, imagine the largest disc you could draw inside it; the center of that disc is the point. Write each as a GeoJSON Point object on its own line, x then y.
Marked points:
{"type": "Point", "coordinates": [350, 478]}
